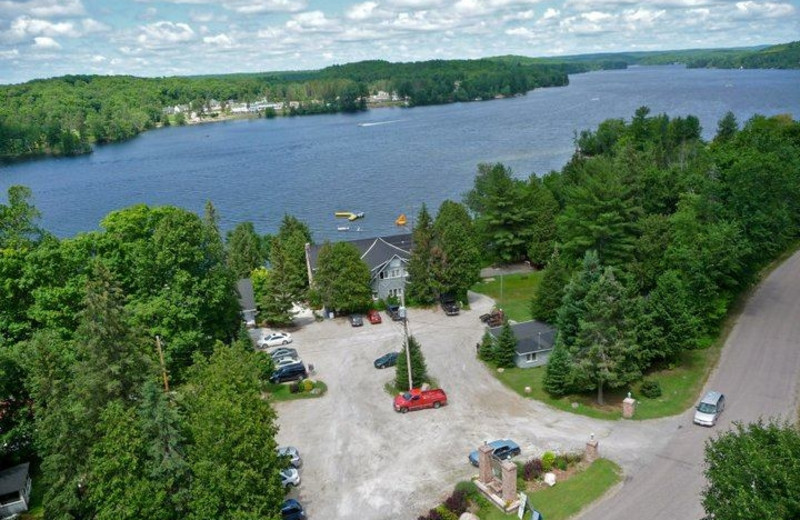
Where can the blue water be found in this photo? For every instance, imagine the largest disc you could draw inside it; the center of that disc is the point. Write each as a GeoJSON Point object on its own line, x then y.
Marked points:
{"type": "Point", "coordinates": [258, 170]}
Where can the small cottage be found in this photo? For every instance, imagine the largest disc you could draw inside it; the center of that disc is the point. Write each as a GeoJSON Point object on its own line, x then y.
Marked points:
{"type": "Point", "coordinates": [535, 341]}
{"type": "Point", "coordinates": [15, 490]}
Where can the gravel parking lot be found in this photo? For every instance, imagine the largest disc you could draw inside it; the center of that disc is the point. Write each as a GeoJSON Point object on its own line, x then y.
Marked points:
{"type": "Point", "coordinates": [363, 460]}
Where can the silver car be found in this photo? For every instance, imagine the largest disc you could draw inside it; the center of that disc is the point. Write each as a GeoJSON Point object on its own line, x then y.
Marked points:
{"type": "Point", "coordinates": [707, 412]}
{"type": "Point", "coordinates": [292, 453]}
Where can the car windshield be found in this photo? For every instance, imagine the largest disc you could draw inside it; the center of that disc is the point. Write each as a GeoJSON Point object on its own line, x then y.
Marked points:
{"type": "Point", "coordinates": [706, 408]}
{"type": "Point", "coordinates": [407, 396]}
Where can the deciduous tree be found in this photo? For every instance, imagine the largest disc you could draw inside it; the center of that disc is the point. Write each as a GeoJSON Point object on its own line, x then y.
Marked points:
{"type": "Point", "coordinates": [342, 278]}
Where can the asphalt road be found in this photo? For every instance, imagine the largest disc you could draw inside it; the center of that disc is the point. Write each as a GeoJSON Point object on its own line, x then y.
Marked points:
{"type": "Point", "coordinates": [758, 373]}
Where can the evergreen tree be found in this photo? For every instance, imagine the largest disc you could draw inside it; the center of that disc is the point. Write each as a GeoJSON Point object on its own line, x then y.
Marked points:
{"type": "Point", "coordinates": [244, 250]}
{"type": "Point", "coordinates": [557, 372]}
{"type": "Point", "coordinates": [342, 278]}
{"type": "Point", "coordinates": [544, 209]}
{"type": "Point", "coordinates": [726, 128]}
{"type": "Point", "coordinates": [505, 352]}
{"type": "Point", "coordinates": [486, 347]}
{"type": "Point", "coordinates": [287, 282]}
{"type": "Point", "coordinates": [456, 258]}
{"type": "Point", "coordinates": [421, 287]}
{"type": "Point", "coordinates": [419, 370]}
{"type": "Point", "coordinates": [549, 295]}
{"type": "Point", "coordinates": [573, 305]}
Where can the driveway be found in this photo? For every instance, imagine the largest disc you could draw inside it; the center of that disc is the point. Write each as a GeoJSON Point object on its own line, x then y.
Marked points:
{"type": "Point", "coordinates": [363, 460]}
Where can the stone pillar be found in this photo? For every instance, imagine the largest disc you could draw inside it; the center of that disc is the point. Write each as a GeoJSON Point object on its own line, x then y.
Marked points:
{"type": "Point", "coordinates": [591, 450]}
{"type": "Point", "coordinates": [628, 406]}
{"type": "Point", "coordinates": [485, 464]}
{"type": "Point", "coordinates": [509, 481]}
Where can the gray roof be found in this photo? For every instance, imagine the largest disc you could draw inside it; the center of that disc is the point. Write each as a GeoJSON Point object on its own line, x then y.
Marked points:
{"type": "Point", "coordinates": [532, 336]}
{"type": "Point", "coordinates": [247, 299]}
{"type": "Point", "coordinates": [13, 480]}
{"type": "Point", "coordinates": [375, 252]}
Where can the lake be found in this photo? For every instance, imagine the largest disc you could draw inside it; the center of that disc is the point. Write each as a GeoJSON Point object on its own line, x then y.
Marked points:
{"type": "Point", "coordinates": [383, 162]}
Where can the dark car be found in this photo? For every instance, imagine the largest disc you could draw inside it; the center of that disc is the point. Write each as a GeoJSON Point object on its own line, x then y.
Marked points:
{"type": "Point", "coordinates": [289, 373]}
{"type": "Point", "coordinates": [292, 510]}
{"type": "Point", "coordinates": [502, 449]}
{"type": "Point", "coordinates": [356, 320]}
{"type": "Point", "coordinates": [393, 310]}
{"type": "Point", "coordinates": [387, 360]}
{"type": "Point", "coordinates": [449, 304]}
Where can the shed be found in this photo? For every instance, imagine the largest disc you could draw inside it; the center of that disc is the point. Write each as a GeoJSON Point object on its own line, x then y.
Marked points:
{"type": "Point", "coordinates": [535, 340]}
{"type": "Point", "coordinates": [15, 490]}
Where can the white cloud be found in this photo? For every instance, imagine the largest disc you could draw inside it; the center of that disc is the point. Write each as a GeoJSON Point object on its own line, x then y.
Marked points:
{"type": "Point", "coordinates": [750, 9]}
{"type": "Point", "coordinates": [42, 8]}
{"type": "Point", "coordinates": [97, 58]}
{"type": "Point", "coordinates": [6, 55]}
{"type": "Point", "coordinates": [312, 21]}
{"type": "Point", "coordinates": [251, 6]}
{"type": "Point", "coordinates": [415, 4]}
{"type": "Point", "coordinates": [163, 33]}
{"type": "Point", "coordinates": [202, 16]}
{"type": "Point", "coordinates": [221, 40]}
{"type": "Point", "coordinates": [550, 13]}
{"type": "Point", "coordinates": [361, 11]}
{"type": "Point", "coordinates": [518, 16]}
{"type": "Point", "coordinates": [519, 31]}
{"type": "Point", "coordinates": [25, 27]}
{"type": "Point", "coordinates": [90, 25]}
{"type": "Point", "coordinates": [45, 43]}
{"type": "Point", "coordinates": [642, 17]}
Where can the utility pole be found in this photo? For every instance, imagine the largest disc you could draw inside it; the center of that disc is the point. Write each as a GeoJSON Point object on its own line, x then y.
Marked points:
{"type": "Point", "coordinates": [161, 361]}
{"type": "Point", "coordinates": [402, 312]}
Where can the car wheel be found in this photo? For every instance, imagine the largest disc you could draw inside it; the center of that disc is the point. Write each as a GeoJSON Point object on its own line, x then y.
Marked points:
{"type": "Point", "coordinates": [437, 404]}
{"type": "Point", "coordinates": [284, 342]}
{"type": "Point", "coordinates": [403, 410]}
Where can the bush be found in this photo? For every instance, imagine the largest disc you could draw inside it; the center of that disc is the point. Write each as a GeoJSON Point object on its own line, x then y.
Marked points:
{"type": "Point", "coordinates": [307, 385]}
{"type": "Point", "coordinates": [548, 459]}
{"type": "Point", "coordinates": [446, 514]}
{"type": "Point", "coordinates": [561, 463]}
{"type": "Point", "coordinates": [532, 469]}
{"type": "Point", "coordinates": [467, 487]}
{"type": "Point", "coordinates": [573, 458]}
{"type": "Point", "coordinates": [650, 389]}
{"type": "Point", "coordinates": [294, 388]}
{"type": "Point", "coordinates": [457, 502]}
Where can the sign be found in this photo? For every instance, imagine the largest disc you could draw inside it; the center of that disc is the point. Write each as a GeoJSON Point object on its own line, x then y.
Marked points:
{"type": "Point", "coordinates": [523, 500]}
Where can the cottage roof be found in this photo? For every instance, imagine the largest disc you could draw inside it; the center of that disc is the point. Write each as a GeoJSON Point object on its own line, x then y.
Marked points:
{"type": "Point", "coordinates": [247, 299]}
{"type": "Point", "coordinates": [13, 480]}
{"type": "Point", "coordinates": [532, 336]}
{"type": "Point", "coordinates": [374, 251]}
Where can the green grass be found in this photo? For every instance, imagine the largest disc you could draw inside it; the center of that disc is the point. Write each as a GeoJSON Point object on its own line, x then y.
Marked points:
{"type": "Point", "coordinates": [517, 291]}
{"type": "Point", "coordinates": [280, 392]}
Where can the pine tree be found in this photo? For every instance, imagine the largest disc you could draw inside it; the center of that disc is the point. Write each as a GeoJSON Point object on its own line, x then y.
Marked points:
{"type": "Point", "coordinates": [420, 287]}
{"type": "Point", "coordinates": [557, 372]}
{"type": "Point", "coordinates": [456, 258]}
{"type": "Point", "coordinates": [342, 278]}
{"type": "Point", "coordinates": [419, 370]}
{"type": "Point", "coordinates": [506, 350]}
{"type": "Point", "coordinates": [486, 347]}
{"type": "Point", "coordinates": [573, 306]}
{"type": "Point", "coordinates": [244, 250]}
{"type": "Point", "coordinates": [550, 293]}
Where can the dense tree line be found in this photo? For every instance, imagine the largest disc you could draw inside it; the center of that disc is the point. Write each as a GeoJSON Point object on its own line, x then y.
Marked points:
{"type": "Point", "coordinates": [651, 234]}
{"type": "Point", "coordinates": [83, 393]}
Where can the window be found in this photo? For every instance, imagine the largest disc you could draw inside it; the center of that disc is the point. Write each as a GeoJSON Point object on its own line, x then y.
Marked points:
{"type": "Point", "coordinates": [530, 357]}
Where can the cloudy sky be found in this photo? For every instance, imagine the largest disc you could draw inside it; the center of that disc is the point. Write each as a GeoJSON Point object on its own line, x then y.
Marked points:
{"type": "Point", "coordinates": [45, 38]}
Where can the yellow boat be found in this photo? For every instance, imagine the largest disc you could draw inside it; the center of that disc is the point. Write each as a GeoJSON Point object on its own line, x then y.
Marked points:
{"type": "Point", "coordinates": [349, 215]}
{"type": "Point", "coordinates": [401, 220]}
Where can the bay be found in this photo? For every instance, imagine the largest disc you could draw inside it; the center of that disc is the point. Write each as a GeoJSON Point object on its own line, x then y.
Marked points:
{"type": "Point", "coordinates": [383, 162]}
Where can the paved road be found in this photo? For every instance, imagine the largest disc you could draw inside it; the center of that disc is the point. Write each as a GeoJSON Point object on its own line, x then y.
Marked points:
{"type": "Point", "coordinates": [758, 373]}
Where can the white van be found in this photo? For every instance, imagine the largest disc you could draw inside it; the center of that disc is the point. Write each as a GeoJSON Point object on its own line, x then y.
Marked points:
{"type": "Point", "coordinates": [708, 410]}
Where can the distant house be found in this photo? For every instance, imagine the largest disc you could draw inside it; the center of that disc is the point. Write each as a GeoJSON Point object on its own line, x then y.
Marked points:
{"type": "Point", "coordinates": [15, 489]}
{"type": "Point", "coordinates": [387, 259]}
{"type": "Point", "coordinates": [247, 301]}
{"type": "Point", "coordinates": [535, 341]}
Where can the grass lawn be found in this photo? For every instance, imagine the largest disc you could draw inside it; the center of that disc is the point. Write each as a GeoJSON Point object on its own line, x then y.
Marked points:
{"type": "Point", "coordinates": [280, 391]}
{"type": "Point", "coordinates": [516, 289]}
{"type": "Point", "coordinates": [567, 498]}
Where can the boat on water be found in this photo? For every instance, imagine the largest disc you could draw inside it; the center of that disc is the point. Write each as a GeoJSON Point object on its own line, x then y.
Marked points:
{"type": "Point", "coordinates": [349, 215]}
{"type": "Point", "coordinates": [401, 220]}
{"type": "Point", "coordinates": [342, 228]}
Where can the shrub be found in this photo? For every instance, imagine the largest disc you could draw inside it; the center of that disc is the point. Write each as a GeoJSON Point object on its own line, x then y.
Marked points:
{"type": "Point", "coordinates": [467, 487]}
{"type": "Point", "coordinates": [294, 388]}
{"type": "Point", "coordinates": [547, 461]}
{"type": "Point", "coordinates": [573, 458]}
{"type": "Point", "coordinates": [532, 469]}
{"type": "Point", "coordinates": [446, 514]}
{"type": "Point", "coordinates": [650, 389]}
{"type": "Point", "coordinates": [457, 502]}
{"type": "Point", "coordinates": [561, 463]}
{"type": "Point", "coordinates": [433, 514]}
{"type": "Point", "coordinates": [307, 385]}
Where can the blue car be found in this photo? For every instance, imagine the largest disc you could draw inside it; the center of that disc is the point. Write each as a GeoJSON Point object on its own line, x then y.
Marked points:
{"type": "Point", "coordinates": [292, 510]}
{"type": "Point", "coordinates": [386, 360]}
{"type": "Point", "coordinates": [502, 449]}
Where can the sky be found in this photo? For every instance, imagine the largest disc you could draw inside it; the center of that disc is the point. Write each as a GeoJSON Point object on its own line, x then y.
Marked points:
{"type": "Point", "coordinates": [46, 38]}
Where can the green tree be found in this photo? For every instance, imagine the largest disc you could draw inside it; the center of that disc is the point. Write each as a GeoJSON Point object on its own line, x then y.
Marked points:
{"type": "Point", "coordinates": [456, 258]}
{"type": "Point", "coordinates": [604, 353]}
{"type": "Point", "coordinates": [544, 209]}
{"type": "Point", "coordinates": [231, 439]}
{"type": "Point", "coordinates": [549, 295]}
{"type": "Point", "coordinates": [244, 250]}
{"type": "Point", "coordinates": [421, 287]}
{"type": "Point", "coordinates": [558, 370]}
{"type": "Point", "coordinates": [573, 304]}
{"type": "Point", "coordinates": [18, 219]}
{"type": "Point", "coordinates": [342, 278]}
{"type": "Point", "coordinates": [752, 473]}
{"type": "Point", "coordinates": [486, 347]}
{"type": "Point", "coordinates": [419, 370]}
{"type": "Point", "coordinates": [287, 282]}
{"type": "Point", "coordinates": [506, 350]}
{"type": "Point", "coordinates": [726, 128]}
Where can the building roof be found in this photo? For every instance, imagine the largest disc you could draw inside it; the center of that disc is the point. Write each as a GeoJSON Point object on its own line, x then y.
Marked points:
{"type": "Point", "coordinates": [247, 299]}
{"type": "Point", "coordinates": [375, 252]}
{"type": "Point", "coordinates": [13, 480]}
{"type": "Point", "coordinates": [532, 336]}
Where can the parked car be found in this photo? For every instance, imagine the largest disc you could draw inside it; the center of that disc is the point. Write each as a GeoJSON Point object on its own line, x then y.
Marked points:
{"type": "Point", "coordinates": [707, 413]}
{"type": "Point", "coordinates": [286, 361]}
{"type": "Point", "coordinates": [291, 509]}
{"type": "Point", "coordinates": [292, 453]}
{"type": "Point", "coordinates": [387, 360]}
{"type": "Point", "coordinates": [290, 477]}
{"type": "Point", "coordinates": [493, 319]}
{"type": "Point", "coordinates": [417, 399]}
{"type": "Point", "coordinates": [449, 304]}
{"type": "Point", "coordinates": [374, 316]}
{"type": "Point", "coordinates": [356, 320]}
{"type": "Point", "coordinates": [502, 449]}
{"type": "Point", "coordinates": [393, 311]}
{"type": "Point", "coordinates": [275, 339]}
{"type": "Point", "coordinates": [282, 352]}
{"type": "Point", "coordinates": [293, 372]}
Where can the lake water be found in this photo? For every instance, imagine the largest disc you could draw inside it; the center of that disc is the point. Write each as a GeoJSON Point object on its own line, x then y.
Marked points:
{"type": "Point", "coordinates": [384, 162]}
